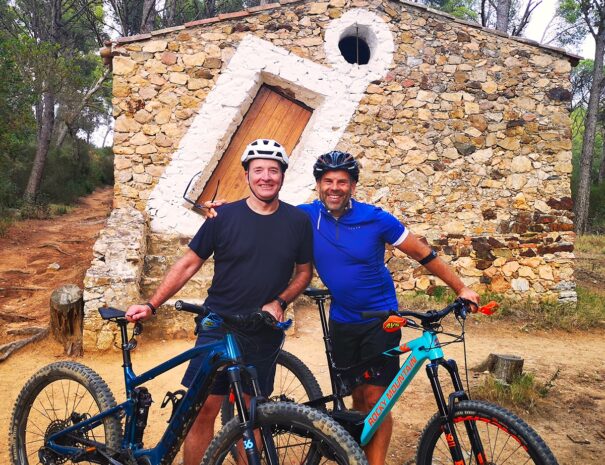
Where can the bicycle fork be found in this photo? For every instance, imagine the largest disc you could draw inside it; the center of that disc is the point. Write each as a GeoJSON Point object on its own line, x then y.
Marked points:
{"type": "Point", "coordinates": [446, 410]}
{"type": "Point", "coordinates": [248, 416]}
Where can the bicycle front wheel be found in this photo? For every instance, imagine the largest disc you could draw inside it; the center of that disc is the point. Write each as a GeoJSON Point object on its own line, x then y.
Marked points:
{"type": "Point", "coordinates": [56, 397]}
{"type": "Point", "coordinates": [294, 382]}
{"type": "Point", "coordinates": [504, 437]}
{"type": "Point", "coordinates": [301, 435]}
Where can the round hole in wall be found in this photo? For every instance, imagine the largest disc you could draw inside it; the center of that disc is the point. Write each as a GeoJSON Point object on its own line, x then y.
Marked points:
{"type": "Point", "coordinates": [353, 45]}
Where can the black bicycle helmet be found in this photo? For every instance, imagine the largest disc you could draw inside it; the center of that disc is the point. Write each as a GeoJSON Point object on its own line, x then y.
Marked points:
{"type": "Point", "coordinates": [336, 160]}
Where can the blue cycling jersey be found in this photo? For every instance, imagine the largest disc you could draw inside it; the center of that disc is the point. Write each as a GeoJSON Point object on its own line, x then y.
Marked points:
{"type": "Point", "coordinates": [349, 257]}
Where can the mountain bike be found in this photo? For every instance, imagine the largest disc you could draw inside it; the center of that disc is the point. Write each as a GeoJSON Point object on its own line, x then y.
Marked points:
{"type": "Point", "coordinates": [463, 431]}
{"type": "Point", "coordinates": [67, 413]}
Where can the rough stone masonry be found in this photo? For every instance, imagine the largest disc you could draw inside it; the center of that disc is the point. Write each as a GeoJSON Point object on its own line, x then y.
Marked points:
{"type": "Point", "coordinates": [464, 135]}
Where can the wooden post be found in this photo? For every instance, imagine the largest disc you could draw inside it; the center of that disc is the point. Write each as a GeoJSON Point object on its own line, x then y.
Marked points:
{"type": "Point", "coordinates": [67, 318]}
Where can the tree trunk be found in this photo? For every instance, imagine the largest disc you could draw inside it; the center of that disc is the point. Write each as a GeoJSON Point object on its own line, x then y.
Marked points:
{"type": "Point", "coordinates": [582, 200]}
{"type": "Point", "coordinates": [67, 318]}
{"type": "Point", "coordinates": [601, 176]}
{"type": "Point", "coordinates": [170, 13]}
{"type": "Point", "coordinates": [147, 23]}
{"type": "Point", "coordinates": [502, 15]}
{"type": "Point", "coordinates": [504, 367]}
{"type": "Point", "coordinates": [45, 130]}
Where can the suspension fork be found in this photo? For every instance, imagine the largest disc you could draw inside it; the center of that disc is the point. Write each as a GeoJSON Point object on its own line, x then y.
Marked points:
{"type": "Point", "coordinates": [248, 418]}
{"type": "Point", "coordinates": [446, 410]}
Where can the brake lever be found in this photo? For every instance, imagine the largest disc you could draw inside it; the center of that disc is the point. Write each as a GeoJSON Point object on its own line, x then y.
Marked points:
{"type": "Point", "coordinates": [271, 321]}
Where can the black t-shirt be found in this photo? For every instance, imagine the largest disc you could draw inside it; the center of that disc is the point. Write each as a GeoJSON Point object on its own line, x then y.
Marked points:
{"type": "Point", "coordinates": [254, 255]}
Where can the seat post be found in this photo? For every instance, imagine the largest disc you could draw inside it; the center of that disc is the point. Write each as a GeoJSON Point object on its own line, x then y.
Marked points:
{"type": "Point", "coordinates": [320, 300]}
{"type": "Point", "coordinates": [125, 344]}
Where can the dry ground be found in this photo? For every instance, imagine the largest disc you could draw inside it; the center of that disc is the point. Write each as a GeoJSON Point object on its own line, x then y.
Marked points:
{"type": "Point", "coordinates": [571, 418]}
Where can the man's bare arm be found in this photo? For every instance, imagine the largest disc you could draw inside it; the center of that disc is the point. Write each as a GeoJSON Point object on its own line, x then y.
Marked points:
{"type": "Point", "coordinates": [417, 250]}
{"type": "Point", "coordinates": [175, 279]}
{"type": "Point", "coordinates": [301, 279]}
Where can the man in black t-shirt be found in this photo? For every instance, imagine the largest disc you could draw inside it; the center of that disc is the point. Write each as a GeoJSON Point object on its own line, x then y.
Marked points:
{"type": "Point", "coordinates": [256, 242]}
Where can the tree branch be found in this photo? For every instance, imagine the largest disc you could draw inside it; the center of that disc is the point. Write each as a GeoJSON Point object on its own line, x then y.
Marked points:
{"type": "Point", "coordinates": [74, 114]}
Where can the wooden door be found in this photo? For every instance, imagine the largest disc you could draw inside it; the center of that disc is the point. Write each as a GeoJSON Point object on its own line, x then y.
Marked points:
{"type": "Point", "coordinates": [272, 115]}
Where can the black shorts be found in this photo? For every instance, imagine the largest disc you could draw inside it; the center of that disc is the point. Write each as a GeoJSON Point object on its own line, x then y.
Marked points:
{"type": "Point", "coordinates": [353, 343]}
{"type": "Point", "coordinates": [259, 349]}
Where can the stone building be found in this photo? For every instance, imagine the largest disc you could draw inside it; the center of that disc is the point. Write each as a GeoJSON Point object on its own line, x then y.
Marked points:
{"type": "Point", "coordinates": [462, 132]}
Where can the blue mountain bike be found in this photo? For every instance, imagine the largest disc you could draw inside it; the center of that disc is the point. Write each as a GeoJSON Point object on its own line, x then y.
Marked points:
{"type": "Point", "coordinates": [67, 414]}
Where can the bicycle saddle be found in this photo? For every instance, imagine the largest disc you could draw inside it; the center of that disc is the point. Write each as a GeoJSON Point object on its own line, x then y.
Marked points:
{"type": "Point", "coordinates": [315, 292]}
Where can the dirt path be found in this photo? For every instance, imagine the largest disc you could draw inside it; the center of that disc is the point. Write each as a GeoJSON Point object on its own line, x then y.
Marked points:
{"type": "Point", "coordinates": [571, 418]}
{"type": "Point", "coordinates": [28, 249]}
{"type": "Point", "coordinates": [573, 412]}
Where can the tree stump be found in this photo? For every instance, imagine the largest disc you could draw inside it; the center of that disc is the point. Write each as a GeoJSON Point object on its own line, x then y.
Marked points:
{"type": "Point", "coordinates": [67, 318]}
{"type": "Point", "coordinates": [504, 367]}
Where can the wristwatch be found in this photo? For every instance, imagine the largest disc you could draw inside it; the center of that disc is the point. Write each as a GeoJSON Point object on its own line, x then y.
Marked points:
{"type": "Point", "coordinates": [152, 307]}
{"type": "Point", "coordinates": [282, 303]}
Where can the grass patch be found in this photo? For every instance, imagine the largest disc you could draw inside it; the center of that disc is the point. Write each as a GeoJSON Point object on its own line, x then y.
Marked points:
{"type": "Point", "coordinates": [5, 224]}
{"type": "Point", "coordinates": [531, 314]}
{"type": "Point", "coordinates": [523, 393]}
{"type": "Point", "coordinates": [36, 209]}
{"type": "Point", "coordinates": [590, 244]}
{"type": "Point", "coordinates": [58, 209]}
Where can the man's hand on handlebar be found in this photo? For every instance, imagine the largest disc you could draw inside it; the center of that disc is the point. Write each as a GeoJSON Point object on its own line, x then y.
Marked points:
{"type": "Point", "coordinates": [470, 295]}
{"type": "Point", "coordinates": [274, 309]}
{"type": "Point", "coordinates": [138, 313]}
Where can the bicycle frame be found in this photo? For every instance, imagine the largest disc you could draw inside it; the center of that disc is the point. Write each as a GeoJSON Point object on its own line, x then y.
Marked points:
{"type": "Point", "coordinates": [221, 353]}
{"type": "Point", "coordinates": [425, 348]}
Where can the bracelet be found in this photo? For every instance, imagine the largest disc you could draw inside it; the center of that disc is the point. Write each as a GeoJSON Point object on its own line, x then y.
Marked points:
{"type": "Point", "coordinates": [152, 307]}
{"type": "Point", "coordinates": [282, 303]}
{"type": "Point", "coordinates": [429, 258]}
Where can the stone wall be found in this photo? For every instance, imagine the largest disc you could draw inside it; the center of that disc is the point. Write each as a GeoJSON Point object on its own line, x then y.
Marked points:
{"type": "Point", "coordinates": [465, 136]}
{"type": "Point", "coordinates": [114, 276]}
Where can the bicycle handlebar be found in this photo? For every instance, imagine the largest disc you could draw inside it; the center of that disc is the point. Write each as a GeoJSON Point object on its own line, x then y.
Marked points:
{"type": "Point", "coordinates": [460, 307]}
{"type": "Point", "coordinates": [247, 319]}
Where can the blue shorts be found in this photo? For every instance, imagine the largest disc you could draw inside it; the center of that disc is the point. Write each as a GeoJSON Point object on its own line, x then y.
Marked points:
{"type": "Point", "coordinates": [259, 349]}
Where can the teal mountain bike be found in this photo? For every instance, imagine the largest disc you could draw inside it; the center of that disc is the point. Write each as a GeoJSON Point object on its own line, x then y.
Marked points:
{"type": "Point", "coordinates": [462, 431]}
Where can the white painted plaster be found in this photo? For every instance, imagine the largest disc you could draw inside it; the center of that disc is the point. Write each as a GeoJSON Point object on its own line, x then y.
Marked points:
{"type": "Point", "coordinates": [333, 93]}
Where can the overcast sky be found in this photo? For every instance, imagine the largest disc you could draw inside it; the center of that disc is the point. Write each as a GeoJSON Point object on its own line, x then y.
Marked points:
{"type": "Point", "coordinates": [539, 21]}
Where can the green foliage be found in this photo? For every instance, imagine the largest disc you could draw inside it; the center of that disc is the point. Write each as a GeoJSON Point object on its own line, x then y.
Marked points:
{"type": "Point", "coordinates": [75, 171]}
{"type": "Point", "coordinates": [5, 223]}
{"type": "Point", "coordinates": [463, 9]}
{"type": "Point", "coordinates": [596, 211]}
{"type": "Point", "coordinates": [37, 209]}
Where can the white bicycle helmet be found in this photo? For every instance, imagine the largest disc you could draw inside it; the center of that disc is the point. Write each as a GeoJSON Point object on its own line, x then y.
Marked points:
{"type": "Point", "coordinates": [267, 149]}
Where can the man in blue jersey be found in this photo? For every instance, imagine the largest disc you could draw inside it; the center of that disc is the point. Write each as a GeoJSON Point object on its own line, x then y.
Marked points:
{"type": "Point", "coordinates": [349, 240]}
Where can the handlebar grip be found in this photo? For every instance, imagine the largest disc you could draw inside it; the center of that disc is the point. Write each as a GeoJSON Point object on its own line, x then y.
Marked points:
{"type": "Point", "coordinates": [382, 314]}
{"type": "Point", "coordinates": [191, 308]}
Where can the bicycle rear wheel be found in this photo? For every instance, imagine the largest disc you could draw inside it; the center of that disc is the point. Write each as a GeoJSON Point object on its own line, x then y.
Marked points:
{"type": "Point", "coordinates": [53, 399]}
{"type": "Point", "coordinates": [294, 382]}
{"type": "Point", "coordinates": [504, 436]}
{"type": "Point", "coordinates": [301, 435]}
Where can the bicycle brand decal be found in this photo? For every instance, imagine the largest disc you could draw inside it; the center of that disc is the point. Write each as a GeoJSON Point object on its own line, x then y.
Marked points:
{"type": "Point", "coordinates": [401, 378]}
{"type": "Point", "coordinates": [391, 391]}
